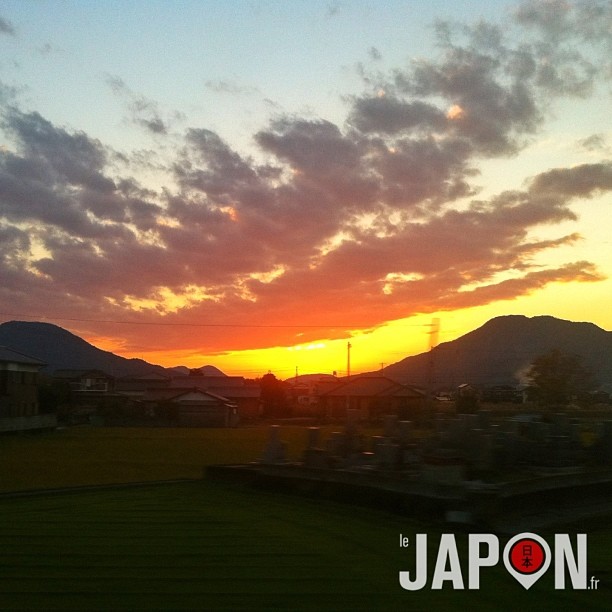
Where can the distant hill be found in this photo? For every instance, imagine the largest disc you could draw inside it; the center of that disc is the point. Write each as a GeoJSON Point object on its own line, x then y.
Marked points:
{"type": "Point", "coordinates": [207, 370]}
{"type": "Point", "coordinates": [307, 378]}
{"type": "Point", "coordinates": [61, 349]}
{"type": "Point", "coordinates": [499, 352]}
{"type": "Point", "coordinates": [502, 349]}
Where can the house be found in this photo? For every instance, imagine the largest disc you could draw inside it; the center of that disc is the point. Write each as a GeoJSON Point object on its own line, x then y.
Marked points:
{"type": "Point", "coordinates": [467, 398]}
{"type": "Point", "coordinates": [245, 394]}
{"type": "Point", "coordinates": [92, 395]}
{"type": "Point", "coordinates": [19, 408]}
{"type": "Point", "coordinates": [86, 381]}
{"type": "Point", "coordinates": [305, 392]}
{"type": "Point", "coordinates": [373, 396]}
{"type": "Point", "coordinates": [502, 394]}
{"type": "Point", "coordinates": [192, 407]}
{"type": "Point", "coordinates": [241, 393]}
{"type": "Point", "coordinates": [194, 400]}
{"type": "Point", "coordinates": [135, 386]}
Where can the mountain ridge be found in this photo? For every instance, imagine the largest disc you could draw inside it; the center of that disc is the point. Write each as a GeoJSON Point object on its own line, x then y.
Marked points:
{"type": "Point", "coordinates": [496, 353]}
{"type": "Point", "coordinates": [60, 349]}
{"type": "Point", "coordinates": [502, 349]}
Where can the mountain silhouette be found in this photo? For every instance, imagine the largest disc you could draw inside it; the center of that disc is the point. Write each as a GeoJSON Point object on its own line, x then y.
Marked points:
{"type": "Point", "coordinates": [501, 351]}
{"type": "Point", "coordinates": [61, 349]}
{"type": "Point", "coordinates": [497, 353]}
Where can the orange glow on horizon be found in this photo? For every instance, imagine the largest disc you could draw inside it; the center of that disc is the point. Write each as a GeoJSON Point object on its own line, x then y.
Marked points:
{"type": "Point", "coordinates": [385, 345]}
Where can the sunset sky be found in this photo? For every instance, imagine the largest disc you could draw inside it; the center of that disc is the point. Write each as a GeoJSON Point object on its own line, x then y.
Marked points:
{"type": "Point", "coordinates": [250, 184]}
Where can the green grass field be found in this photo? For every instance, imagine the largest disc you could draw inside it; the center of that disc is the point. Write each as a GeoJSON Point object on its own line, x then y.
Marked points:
{"type": "Point", "coordinates": [212, 546]}
{"type": "Point", "coordinates": [102, 455]}
{"type": "Point", "coordinates": [88, 455]}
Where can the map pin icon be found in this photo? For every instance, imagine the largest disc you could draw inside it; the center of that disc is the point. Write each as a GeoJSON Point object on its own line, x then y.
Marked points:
{"type": "Point", "coordinates": [527, 557]}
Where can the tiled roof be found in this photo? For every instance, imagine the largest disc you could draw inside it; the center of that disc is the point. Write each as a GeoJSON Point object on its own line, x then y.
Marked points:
{"type": "Point", "coordinates": [370, 386]}
{"type": "Point", "coordinates": [226, 386]}
{"type": "Point", "coordinates": [407, 391]}
{"type": "Point", "coordinates": [204, 382]}
{"type": "Point", "coordinates": [236, 392]}
{"type": "Point", "coordinates": [176, 393]}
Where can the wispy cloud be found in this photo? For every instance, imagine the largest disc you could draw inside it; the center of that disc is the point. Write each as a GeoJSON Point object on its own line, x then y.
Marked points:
{"type": "Point", "coordinates": [342, 226]}
{"type": "Point", "coordinates": [374, 54]}
{"type": "Point", "coordinates": [143, 111]}
{"type": "Point", "coordinates": [230, 87]}
{"type": "Point", "coordinates": [6, 27]}
{"type": "Point", "coordinates": [596, 143]}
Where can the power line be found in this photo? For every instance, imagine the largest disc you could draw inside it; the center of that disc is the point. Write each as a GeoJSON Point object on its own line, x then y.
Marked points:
{"type": "Point", "coordinates": [177, 324]}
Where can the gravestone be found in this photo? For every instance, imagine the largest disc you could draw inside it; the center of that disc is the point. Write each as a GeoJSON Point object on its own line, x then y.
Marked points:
{"type": "Point", "coordinates": [276, 451]}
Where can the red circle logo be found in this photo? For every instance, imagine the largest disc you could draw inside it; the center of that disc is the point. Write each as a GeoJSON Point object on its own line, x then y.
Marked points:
{"type": "Point", "coordinates": [527, 556]}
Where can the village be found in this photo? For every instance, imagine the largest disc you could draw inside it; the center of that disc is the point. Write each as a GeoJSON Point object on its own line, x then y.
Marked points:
{"type": "Point", "coordinates": [31, 399]}
{"type": "Point", "coordinates": [461, 442]}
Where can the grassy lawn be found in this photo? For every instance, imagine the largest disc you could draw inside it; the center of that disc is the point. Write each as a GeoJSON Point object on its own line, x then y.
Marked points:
{"type": "Point", "coordinates": [215, 547]}
{"type": "Point", "coordinates": [89, 455]}
{"type": "Point", "coordinates": [211, 546]}
{"type": "Point", "coordinates": [191, 546]}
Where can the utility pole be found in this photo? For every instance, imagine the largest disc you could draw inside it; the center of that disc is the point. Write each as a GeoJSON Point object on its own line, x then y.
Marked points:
{"type": "Point", "coordinates": [433, 342]}
{"type": "Point", "coordinates": [348, 373]}
{"type": "Point", "coordinates": [348, 360]}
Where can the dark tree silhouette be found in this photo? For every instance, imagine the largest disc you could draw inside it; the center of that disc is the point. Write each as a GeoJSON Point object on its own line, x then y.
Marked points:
{"type": "Point", "coordinates": [559, 378]}
{"type": "Point", "coordinates": [54, 396]}
{"type": "Point", "coordinates": [272, 395]}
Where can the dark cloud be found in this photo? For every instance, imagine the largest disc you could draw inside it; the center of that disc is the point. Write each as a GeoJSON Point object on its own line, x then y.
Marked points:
{"type": "Point", "coordinates": [596, 142]}
{"type": "Point", "coordinates": [61, 179]}
{"type": "Point", "coordinates": [328, 177]}
{"type": "Point", "coordinates": [73, 158]}
{"type": "Point", "coordinates": [217, 169]}
{"type": "Point", "coordinates": [423, 171]}
{"type": "Point", "coordinates": [490, 114]}
{"type": "Point", "coordinates": [327, 224]}
{"type": "Point", "coordinates": [560, 20]}
{"type": "Point", "coordinates": [374, 54]}
{"type": "Point", "coordinates": [309, 146]}
{"type": "Point", "coordinates": [14, 244]}
{"type": "Point", "coordinates": [6, 27]}
{"type": "Point", "coordinates": [581, 271]}
{"type": "Point", "coordinates": [333, 9]}
{"type": "Point", "coordinates": [496, 92]}
{"type": "Point", "coordinates": [7, 93]}
{"type": "Point", "coordinates": [561, 29]}
{"type": "Point", "coordinates": [581, 181]}
{"type": "Point", "coordinates": [389, 115]}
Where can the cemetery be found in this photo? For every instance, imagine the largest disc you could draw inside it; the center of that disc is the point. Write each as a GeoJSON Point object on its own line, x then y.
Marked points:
{"type": "Point", "coordinates": [472, 469]}
{"type": "Point", "coordinates": [218, 545]}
